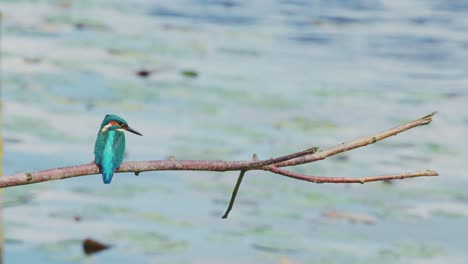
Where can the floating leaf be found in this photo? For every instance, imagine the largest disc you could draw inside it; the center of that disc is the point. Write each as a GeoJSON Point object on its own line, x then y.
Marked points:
{"type": "Point", "coordinates": [144, 73]}
{"type": "Point", "coordinates": [190, 73]}
{"type": "Point", "coordinates": [277, 247]}
{"type": "Point", "coordinates": [38, 127]}
{"type": "Point", "coordinates": [355, 218]}
{"type": "Point", "coordinates": [91, 246]}
{"type": "Point", "coordinates": [151, 242]}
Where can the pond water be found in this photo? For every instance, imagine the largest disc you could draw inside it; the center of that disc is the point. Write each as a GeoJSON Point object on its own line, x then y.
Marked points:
{"type": "Point", "coordinates": [207, 79]}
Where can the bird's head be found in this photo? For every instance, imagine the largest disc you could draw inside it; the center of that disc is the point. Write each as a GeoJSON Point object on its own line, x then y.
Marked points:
{"type": "Point", "coordinates": [113, 122]}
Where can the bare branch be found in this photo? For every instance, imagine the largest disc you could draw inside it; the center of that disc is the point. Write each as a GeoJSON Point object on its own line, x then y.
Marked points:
{"type": "Point", "coordinates": [272, 165]}
{"type": "Point", "coordinates": [357, 143]}
{"type": "Point", "coordinates": [323, 179]}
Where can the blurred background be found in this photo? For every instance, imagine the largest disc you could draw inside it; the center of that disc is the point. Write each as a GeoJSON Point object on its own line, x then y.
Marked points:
{"type": "Point", "coordinates": [208, 79]}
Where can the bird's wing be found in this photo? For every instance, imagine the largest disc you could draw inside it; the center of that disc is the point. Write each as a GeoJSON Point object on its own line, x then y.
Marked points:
{"type": "Point", "coordinates": [99, 147]}
{"type": "Point", "coordinates": [119, 145]}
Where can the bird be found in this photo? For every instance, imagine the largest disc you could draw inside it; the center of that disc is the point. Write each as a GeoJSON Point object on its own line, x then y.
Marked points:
{"type": "Point", "coordinates": [109, 148]}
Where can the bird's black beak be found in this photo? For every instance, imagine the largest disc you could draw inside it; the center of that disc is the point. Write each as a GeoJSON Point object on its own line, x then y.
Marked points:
{"type": "Point", "coordinates": [129, 129]}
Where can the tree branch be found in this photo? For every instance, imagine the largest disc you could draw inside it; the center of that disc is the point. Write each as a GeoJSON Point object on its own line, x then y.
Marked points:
{"type": "Point", "coordinates": [323, 179]}
{"type": "Point", "coordinates": [357, 143]}
{"type": "Point", "coordinates": [272, 165]}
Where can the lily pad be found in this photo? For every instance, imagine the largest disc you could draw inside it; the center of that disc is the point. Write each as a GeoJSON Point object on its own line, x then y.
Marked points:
{"type": "Point", "coordinates": [35, 126]}
{"type": "Point", "coordinates": [150, 242]}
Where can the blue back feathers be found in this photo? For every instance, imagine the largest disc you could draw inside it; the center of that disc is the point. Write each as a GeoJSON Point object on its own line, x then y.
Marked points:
{"type": "Point", "coordinates": [109, 149]}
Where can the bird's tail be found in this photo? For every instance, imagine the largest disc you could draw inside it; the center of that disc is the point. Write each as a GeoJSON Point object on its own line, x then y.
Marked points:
{"type": "Point", "coordinates": [107, 176]}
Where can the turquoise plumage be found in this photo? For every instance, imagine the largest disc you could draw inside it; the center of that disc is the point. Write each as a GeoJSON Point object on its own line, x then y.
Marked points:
{"type": "Point", "coordinates": [109, 148]}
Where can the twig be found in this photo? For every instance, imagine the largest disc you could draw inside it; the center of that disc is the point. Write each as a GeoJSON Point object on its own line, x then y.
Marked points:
{"type": "Point", "coordinates": [323, 179]}
{"type": "Point", "coordinates": [357, 143]}
{"type": "Point", "coordinates": [234, 194]}
{"type": "Point", "coordinates": [236, 188]}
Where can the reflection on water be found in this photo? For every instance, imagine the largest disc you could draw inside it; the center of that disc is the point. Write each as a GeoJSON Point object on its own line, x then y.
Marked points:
{"type": "Point", "coordinates": [204, 79]}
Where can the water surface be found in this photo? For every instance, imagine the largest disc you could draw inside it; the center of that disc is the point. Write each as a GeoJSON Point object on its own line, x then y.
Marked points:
{"type": "Point", "coordinates": [226, 79]}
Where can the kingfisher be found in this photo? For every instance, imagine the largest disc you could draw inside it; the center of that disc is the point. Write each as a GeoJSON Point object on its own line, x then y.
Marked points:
{"type": "Point", "coordinates": [110, 145]}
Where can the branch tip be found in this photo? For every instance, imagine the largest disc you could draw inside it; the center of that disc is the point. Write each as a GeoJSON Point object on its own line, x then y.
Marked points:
{"type": "Point", "coordinates": [431, 114]}
{"type": "Point", "coordinates": [429, 117]}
